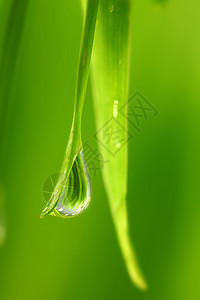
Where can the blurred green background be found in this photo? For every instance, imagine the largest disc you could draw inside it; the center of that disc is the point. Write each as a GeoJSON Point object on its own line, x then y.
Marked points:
{"type": "Point", "coordinates": [79, 258]}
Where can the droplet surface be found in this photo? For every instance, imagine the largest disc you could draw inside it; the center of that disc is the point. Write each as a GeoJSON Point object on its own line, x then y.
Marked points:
{"type": "Point", "coordinates": [76, 193]}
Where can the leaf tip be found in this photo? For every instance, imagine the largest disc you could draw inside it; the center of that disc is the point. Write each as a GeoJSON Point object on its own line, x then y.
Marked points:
{"type": "Point", "coordinates": [44, 213]}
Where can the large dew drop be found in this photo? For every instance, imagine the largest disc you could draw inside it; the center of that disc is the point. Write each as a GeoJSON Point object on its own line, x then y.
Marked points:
{"type": "Point", "coordinates": [76, 193]}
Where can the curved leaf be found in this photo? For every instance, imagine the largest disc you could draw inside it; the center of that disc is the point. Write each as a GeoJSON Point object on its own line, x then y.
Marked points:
{"type": "Point", "coordinates": [110, 64]}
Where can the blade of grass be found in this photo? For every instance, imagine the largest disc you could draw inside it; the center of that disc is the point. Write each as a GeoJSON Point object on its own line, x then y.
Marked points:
{"type": "Point", "coordinates": [110, 64]}
{"type": "Point", "coordinates": [8, 60]}
{"type": "Point", "coordinates": [74, 145]}
{"type": "Point", "coordinates": [13, 15]}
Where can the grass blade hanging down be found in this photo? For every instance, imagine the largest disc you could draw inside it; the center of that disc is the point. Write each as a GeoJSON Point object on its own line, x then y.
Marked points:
{"type": "Point", "coordinates": [72, 191]}
{"type": "Point", "coordinates": [9, 52]}
{"type": "Point", "coordinates": [110, 62]}
{"type": "Point", "coordinates": [13, 17]}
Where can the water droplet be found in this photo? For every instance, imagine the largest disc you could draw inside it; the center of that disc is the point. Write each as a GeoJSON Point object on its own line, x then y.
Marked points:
{"type": "Point", "coordinates": [115, 108]}
{"type": "Point", "coordinates": [76, 193]}
{"type": "Point", "coordinates": [118, 145]}
{"type": "Point", "coordinates": [111, 9]}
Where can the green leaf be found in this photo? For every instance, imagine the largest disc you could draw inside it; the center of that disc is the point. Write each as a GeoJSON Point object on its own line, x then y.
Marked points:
{"type": "Point", "coordinates": [72, 190]}
{"type": "Point", "coordinates": [12, 23]}
{"type": "Point", "coordinates": [110, 71]}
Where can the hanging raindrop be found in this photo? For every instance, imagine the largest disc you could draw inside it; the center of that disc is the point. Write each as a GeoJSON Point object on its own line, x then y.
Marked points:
{"type": "Point", "coordinates": [75, 192]}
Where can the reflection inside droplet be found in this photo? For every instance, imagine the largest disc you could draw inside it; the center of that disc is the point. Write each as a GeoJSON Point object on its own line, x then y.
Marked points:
{"type": "Point", "coordinates": [76, 194]}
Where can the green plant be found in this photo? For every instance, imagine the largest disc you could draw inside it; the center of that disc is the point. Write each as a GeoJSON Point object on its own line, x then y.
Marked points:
{"type": "Point", "coordinates": [12, 20]}
{"type": "Point", "coordinates": [110, 70]}
{"type": "Point", "coordinates": [72, 191]}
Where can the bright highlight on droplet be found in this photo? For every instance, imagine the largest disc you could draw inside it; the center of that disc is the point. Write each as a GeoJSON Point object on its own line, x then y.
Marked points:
{"type": "Point", "coordinates": [115, 108]}
{"type": "Point", "coordinates": [74, 196]}
{"type": "Point", "coordinates": [118, 145]}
